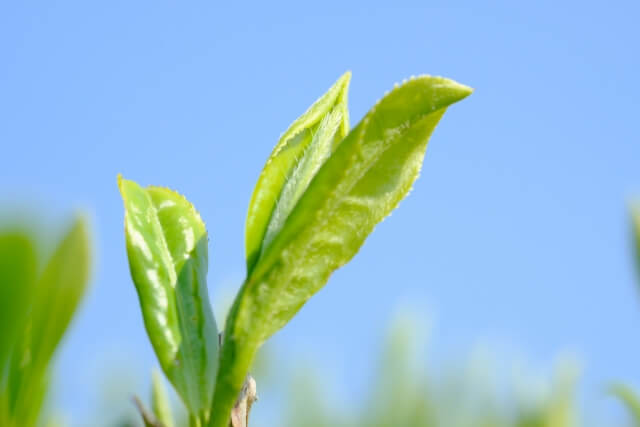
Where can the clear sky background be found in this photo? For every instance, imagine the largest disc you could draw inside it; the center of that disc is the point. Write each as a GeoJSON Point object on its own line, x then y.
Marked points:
{"type": "Point", "coordinates": [516, 233]}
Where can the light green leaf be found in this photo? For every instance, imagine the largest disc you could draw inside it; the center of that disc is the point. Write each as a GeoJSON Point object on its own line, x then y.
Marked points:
{"type": "Point", "coordinates": [160, 401]}
{"type": "Point", "coordinates": [58, 291]}
{"type": "Point", "coordinates": [167, 249]}
{"type": "Point", "coordinates": [630, 399]}
{"type": "Point", "coordinates": [297, 156]}
{"type": "Point", "coordinates": [363, 180]}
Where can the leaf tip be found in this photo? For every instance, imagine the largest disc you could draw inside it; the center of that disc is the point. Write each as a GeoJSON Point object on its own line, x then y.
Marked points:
{"type": "Point", "coordinates": [345, 78]}
{"type": "Point", "coordinates": [458, 88]}
{"type": "Point", "coordinates": [121, 184]}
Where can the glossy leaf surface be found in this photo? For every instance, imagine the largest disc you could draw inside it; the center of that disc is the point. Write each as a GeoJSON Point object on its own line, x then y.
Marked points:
{"type": "Point", "coordinates": [167, 249]}
{"type": "Point", "coordinates": [296, 157]}
{"type": "Point", "coordinates": [363, 180]}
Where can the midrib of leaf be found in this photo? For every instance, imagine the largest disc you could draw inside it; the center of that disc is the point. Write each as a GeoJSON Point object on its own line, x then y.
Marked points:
{"type": "Point", "coordinates": [166, 253]}
{"type": "Point", "coordinates": [190, 366]}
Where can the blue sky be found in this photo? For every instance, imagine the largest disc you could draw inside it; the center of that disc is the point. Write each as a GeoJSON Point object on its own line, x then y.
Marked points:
{"type": "Point", "coordinates": [516, 232]}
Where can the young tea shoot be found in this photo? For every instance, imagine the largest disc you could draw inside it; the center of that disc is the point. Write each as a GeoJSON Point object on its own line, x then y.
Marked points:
{"type": "Point", "coordinates": [321, 193]}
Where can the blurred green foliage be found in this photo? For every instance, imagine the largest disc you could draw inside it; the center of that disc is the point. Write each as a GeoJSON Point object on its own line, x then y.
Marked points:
{"type": "Point", "coordinates": [635, 226]}
{"type": "Point", "coordinates": [37, 303]}
{"type": "Point", "coordinates": [403, 394]}
{"type": "Point", "coordinates": [630, 399]}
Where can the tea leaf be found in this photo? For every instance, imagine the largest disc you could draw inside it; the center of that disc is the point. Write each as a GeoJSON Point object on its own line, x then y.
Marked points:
{"type": "Point", "coordinates": [56, 296]}
{"type": "Point", "coordinates": [363, 180]}
{"type": "Point", "coordinates": [167, 250]}
{"type": "Point", "coordinates": [296, 157]}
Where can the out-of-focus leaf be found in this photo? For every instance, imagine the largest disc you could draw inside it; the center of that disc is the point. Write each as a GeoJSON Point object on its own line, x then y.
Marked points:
{"type": "Point", "coordinates": [558, 408]}
{"type": "Point", "coordinates": [630, 399]}
{"type": "Point", "coordinates": [17, 278]}
{"type": "Point", "coordinates": [57, 293]}
{"type": "Point", "coordinates": [160, 401]}
{"type": "Point", "coordinates": [363, 180]}
{"type": "Point", "coordinates": [399, 395]}
{"type": "Point", "coordinates": [298, 154]}
{"type": "Point", "coordinates": [60, 290]}
{"type": "Point", "coordinates": [635, 221]}
{"type": "Point", "coordinates": [167, 249]}
{"type": "Point", "coordinates": [148, 419]}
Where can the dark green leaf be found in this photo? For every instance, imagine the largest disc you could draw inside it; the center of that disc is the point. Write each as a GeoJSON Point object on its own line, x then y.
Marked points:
{"type": "Point", "coordinates": [17, 280]}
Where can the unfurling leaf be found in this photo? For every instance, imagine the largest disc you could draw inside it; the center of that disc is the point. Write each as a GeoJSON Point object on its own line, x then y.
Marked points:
{"type": "Point", "coordinates": [361, 182]}
{"type": "Point", "coordinates": [295, 159]}
{"type": "Point", "coordinates": [167, 250]}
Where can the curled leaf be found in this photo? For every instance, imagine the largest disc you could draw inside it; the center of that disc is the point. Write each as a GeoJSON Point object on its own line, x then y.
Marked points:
{"type": "Point", "coordinates": [296, 157]}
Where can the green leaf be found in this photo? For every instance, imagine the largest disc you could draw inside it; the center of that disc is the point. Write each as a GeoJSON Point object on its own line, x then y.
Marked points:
{"type": "Point", "coordinates": [18, 266]}
{"type": "Point", "coordinates": [60, 289]}
{"type": "Point", "coordinates": [630, 400]}
{"type": "Point", "coordinates": [58, 292]}
{"type": "Point", "coordinates": [167, 249]}
{"type": "Point", "coordinates": [363, 180]}
{"type": "Point", "coordinates": [160, 401]}
{"type": "Point", "coordinates": [296, 157]}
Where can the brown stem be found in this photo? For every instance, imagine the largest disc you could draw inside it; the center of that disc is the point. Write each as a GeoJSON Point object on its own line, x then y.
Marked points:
{"type": "Point", "coordinates": [147, 417]}
{"type": "Point", "coordinates": [240, 411]}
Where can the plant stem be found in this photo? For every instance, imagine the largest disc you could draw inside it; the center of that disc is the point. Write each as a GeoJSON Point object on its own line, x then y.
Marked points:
{"type": "Point", "coordinates": [240, 411]}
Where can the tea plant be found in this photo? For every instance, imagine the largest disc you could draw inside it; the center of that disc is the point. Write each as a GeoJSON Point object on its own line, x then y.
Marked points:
{"type": "Point", "coordinates": [36, 307]}
{"type": "Point", "coordinates": [322, 191]}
